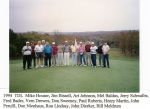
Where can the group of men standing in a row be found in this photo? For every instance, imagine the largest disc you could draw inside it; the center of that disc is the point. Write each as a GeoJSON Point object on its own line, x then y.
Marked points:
{"type": "Point", "coordinates": [43, 54]}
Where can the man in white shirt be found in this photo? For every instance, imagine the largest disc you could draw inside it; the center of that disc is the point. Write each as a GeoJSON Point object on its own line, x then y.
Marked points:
{"type": "Point", "coordinates": [66, 53]}
{"type": "Point", "coordinates": [74, 54]}
{"type": "Point", "coordinates": [26, 51]}
{"type": "Point", "coordinates": [43, 56]}
{"type": "Point", "coordinates": [105, 49]}
{"type": "Point", "coordinates": [93, 49]}
{"type": "Point", "coordinates": [39, 54]}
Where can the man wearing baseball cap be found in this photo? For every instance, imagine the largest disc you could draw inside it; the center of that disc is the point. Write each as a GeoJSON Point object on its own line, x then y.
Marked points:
{"type": "Point", "coordinates": [93, 53]}
{"type": "Point", "coordinates": [87, 53]}
{"type": "Point", "coordinates": [26, 51]}
{"type": "Point", "coordinates": [66, 53]}
{"type": "Point", "coordinates": [106, 50]}
{"type": "Point", "coordinates": [54, 53]}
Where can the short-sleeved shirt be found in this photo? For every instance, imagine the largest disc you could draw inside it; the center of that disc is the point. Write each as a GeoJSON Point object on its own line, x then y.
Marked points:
{"type": "Point", "coordinates": [39, 48]}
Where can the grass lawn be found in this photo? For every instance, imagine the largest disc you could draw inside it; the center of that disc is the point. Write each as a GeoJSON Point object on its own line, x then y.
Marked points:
{"type": "Point", "coordinates": [123, 76]}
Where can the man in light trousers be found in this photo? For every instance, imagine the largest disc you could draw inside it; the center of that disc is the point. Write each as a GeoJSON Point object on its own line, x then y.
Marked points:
{"type": "Point", "coordinates": [66, 53]}
{"type": "Point", "coordinates": [74, 54]}
{"type": "Point", "coordinates": [60, 55]}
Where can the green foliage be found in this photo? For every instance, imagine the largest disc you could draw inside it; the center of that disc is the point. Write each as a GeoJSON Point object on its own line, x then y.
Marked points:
{"type": "Point", "coordinates": [13, 50]}
{"type": "Point", "coordinates": [16, 42]}
{"type": "Point", "coordinates": [129, 42]}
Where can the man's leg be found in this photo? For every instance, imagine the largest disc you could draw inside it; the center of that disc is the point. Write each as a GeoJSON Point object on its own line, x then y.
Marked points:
{"type": "Point", "coordinates": [52, 60]}
{"type": "Point", "coordinates": [34, 60]}
{"type": "Point", "coordinates": [99, 59]}
{"type": "Point", "coordinates": [107, 59]}
{"type": "Point", "coordinates": [61, 62]}
{"type": "Point", "coordinates": [78, 58]}
{"type": "Point", "coordinates": [81, 59]}
{"type": "Point", "coordinates": [72, 58]}
{"type": "Point", "coordinates": [46, 59]}
{"type": "Point", "coordinates": [104, 60]}
{"type": "Point", "coordinates": [75, 58]}
{"type": "Point", "coordinates": [94, 59]}
{"type": "Point", "coordinates": [55, 60]}
{"type": "Point", "coordinates": [37, 61]}
{"type": "Point", "coordinates": [65, 59]}
{"type": "Point", "coordinates": [87, 56]}
{"type": "Point", "coordinates": [84, 59]}
{"type": "Point", "coordinates": [89, 59]}
{"type": "Point", "coordinates": [24, 62]}
{"type": "Point", "coordinates": [68, 58]}
{"type": "Point", "coordinates": [28, 61]}
{"type": "Point", "coordinates": [43, 59]}
{"type": "Point", "coordinates": [50, 56]}
{"type": "Point", "coordinates": [58, 59]}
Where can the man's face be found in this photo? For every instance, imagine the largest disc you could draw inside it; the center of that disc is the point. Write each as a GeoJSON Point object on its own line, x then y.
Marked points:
{"type": "Point", "coordinates": [66, 43]}
{"type": "Point", "coordinates": [39, 42]}
{"type": "Point", "coordinates": [28, 44]}
{"type": "Point", "coordinates": [32, 43]}
{"type": "Point", "coordinates": [47, 43]}
{"type": "Point", "coordinates": [43, 42]}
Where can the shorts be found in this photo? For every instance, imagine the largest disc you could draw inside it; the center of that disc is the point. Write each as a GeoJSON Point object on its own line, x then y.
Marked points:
{"type": "Point", "coordinates": [39, 54]}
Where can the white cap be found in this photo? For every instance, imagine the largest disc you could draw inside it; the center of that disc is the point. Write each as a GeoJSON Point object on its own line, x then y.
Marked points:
{"type": "Point", "coordinates": [53, 42]}
{"type": "Point", "coordinates": [80, 42]}
{"type": "Point", "coordinates": [66, 41]}
{"type": "Point", "coordinates": [92, 42]}
{"type": "Point", "coordinates": [43, 40]}
{"type": "Point", "coordinates": [27, 42]}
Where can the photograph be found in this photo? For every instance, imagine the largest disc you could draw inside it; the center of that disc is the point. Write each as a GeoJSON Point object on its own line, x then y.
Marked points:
{"type": "Point", "coordinates": [74, 46]}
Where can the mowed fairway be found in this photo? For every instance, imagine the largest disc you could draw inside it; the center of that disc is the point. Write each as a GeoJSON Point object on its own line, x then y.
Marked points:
{"type": "Point", "coordinates": [123, 76]}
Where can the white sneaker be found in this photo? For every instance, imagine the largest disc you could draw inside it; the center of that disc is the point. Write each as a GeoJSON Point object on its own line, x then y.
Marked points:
{"type": "Point", "coordinates": [81, 64]}
{"type": "Point", "coordinates": [37, 66]}
{"type": "Point", "coordinates": [42, 66]}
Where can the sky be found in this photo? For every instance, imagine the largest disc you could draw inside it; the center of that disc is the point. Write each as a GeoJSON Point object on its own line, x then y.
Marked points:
{"type": "Point", "coordinates": [73, 15]}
